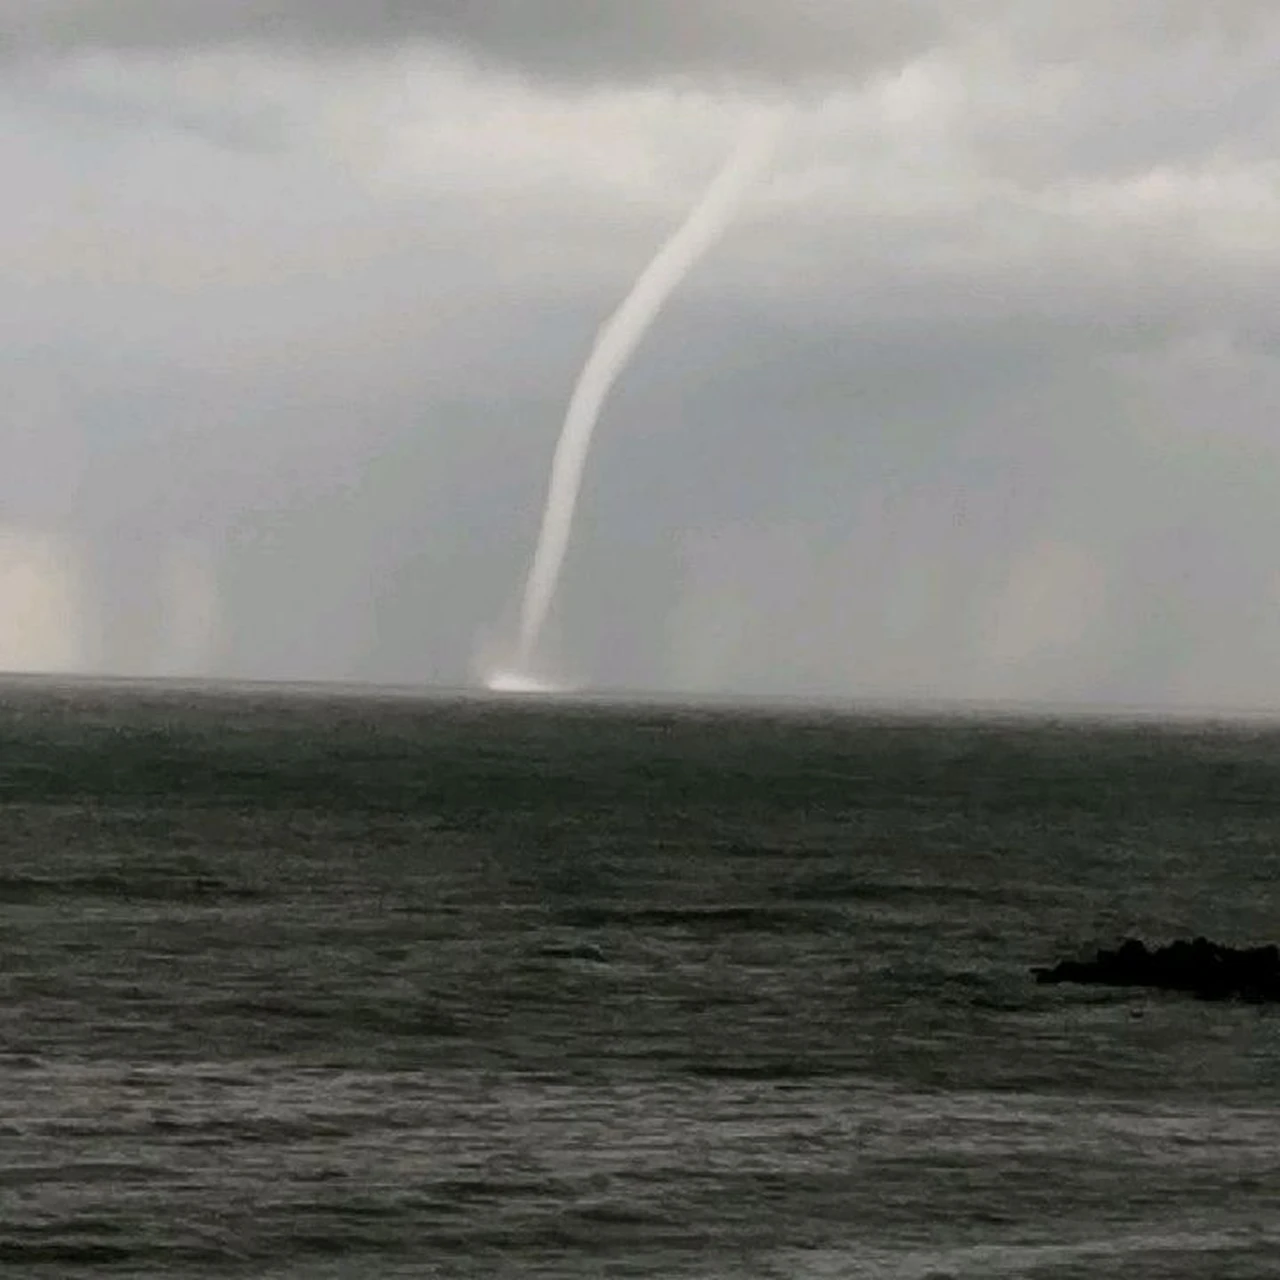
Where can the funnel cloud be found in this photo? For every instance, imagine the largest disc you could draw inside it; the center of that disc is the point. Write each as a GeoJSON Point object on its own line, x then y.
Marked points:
{"type": "Point", "coordinates": [614, 347]}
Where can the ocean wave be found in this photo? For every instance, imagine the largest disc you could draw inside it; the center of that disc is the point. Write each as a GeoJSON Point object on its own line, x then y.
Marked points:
{"type": "Point", "coordinates": [746, 917]}
{"type": "Point", "coordinates": [151, 887]}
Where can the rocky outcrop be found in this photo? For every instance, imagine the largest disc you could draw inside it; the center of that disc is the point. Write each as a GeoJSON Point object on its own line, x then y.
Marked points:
{"type": "Point", "coordinates": [1202, 968]}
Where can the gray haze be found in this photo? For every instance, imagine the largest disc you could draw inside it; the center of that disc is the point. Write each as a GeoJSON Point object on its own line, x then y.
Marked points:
{"type": "Point", "coordinates": [977, 400]}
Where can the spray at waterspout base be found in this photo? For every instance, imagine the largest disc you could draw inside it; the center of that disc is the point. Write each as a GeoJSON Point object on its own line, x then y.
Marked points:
{"type": "Point", "coordinates": [517, 682]}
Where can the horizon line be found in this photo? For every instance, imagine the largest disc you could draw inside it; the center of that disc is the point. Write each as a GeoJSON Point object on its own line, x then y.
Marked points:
{"type": "Point", "coordinates": [907, 705]}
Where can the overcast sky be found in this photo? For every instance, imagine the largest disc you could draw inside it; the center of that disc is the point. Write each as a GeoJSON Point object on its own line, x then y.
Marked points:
{"type": "Point", "coordinates": [978, 398]}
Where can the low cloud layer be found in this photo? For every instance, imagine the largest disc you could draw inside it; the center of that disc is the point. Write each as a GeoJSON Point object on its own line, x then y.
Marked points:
{"type": "Point", "coordinates": [786, 42]}
{"type": "Point", "coordinates": [577, 40]}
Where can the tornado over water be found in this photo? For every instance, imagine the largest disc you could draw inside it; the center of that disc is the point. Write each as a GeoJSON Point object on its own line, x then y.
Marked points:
{"type": "Point", "coordinates": [614, 346]}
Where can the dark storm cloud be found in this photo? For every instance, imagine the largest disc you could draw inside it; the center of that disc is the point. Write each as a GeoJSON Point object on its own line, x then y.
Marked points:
{"type": "Point", "coordinates": [636, 40]}
{"type": "Point", "coordinates": [575, 40]}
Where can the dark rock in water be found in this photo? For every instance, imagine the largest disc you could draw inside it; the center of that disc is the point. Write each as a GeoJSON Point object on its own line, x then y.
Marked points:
{"type": "Point", "coordinates": [1205, 969]}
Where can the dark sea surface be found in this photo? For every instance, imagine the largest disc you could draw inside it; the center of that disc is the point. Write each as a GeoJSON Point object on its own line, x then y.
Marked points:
{"type": "Point", "coordinates": [316, 985]}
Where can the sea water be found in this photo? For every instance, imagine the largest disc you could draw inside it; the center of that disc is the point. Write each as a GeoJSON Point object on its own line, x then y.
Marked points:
{"type": "Point", "coordinates": [308, 984]}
